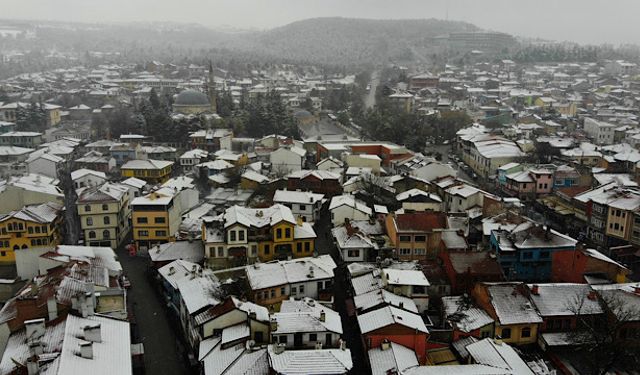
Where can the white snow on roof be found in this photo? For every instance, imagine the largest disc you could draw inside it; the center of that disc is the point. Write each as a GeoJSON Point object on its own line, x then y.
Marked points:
{"type": "Point", "coordinates": [299, 197]}
{"type": "Point", "coordinates": [379, 297]}
{"type": "Point", "coordinates": [564, 299]}
{"type": "Point", "coordinates": [110, 356]}
{"type": "Point", "coordinates": [466, 318]}
{"type": "Point", "coordinates": [404, 277]}
{"type": "Point", "coordinates": [390, 315]}
{"type": "Point", "coordinates": [311, 362]}
{"type": "Point", "coordinates": [397, 357]}
{"type": "Point", "coordinates": [502, 356]}
{"type": "Point", "coordinates": [266, 275]}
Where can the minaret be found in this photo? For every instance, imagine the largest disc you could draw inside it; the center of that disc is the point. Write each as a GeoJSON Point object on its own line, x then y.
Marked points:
{"type": "Point", "coordinates": [211, 88]}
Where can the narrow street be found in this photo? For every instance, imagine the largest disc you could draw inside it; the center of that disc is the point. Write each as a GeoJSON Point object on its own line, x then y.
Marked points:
{"type": "Point", "coordinates": [154, 329]}
{"type": "Point", "coordinates": [370, 99]}
{"type": "Point", "coordinates": [350, 328]}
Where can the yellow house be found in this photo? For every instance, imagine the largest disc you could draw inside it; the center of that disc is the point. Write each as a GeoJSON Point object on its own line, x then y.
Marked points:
{"type": "Point", "coordinates": [516, 320]}
{"type": "Point", "coordinates": [31, 227]}
{"type": "Point", "coordinates": [155, 219]}
{"type": "Point", "coordinates": [243, 235]}
{"type": "Point", "coordinates": [152, 171]}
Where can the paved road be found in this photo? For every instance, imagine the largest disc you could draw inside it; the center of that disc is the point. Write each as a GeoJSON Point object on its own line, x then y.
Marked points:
{"type": "Point", "coordinates": [154, 328]}
{"type": "Point", "coordinates": [322, 127]}
{"type": "Point", "coordinates": [370, 100]}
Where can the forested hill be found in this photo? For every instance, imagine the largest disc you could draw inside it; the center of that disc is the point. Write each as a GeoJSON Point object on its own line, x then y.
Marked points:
{"type": "Point", "coordinates": [349, 40]}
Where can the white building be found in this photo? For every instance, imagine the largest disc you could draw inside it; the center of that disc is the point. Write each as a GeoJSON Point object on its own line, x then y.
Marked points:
{"type": "Point", "coordinates": [191, 158]}
{"type": "Point", "coordinates": [348, 207]}
{"type": "Point", "coordinates": [85, 178]}
{"type": "Point", "coordinates": [306, 324]}
{"type": "Point", "coordinates": [302, 203]}
{"type": "Point", "coordinates": [601, 132]}
{"type": "Point", "coordinates": [44, 164]}
{"type": "Point", "coordinates": [287, 159]}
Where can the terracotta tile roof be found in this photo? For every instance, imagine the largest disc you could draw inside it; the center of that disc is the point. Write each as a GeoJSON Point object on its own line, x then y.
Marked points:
{"type": "Point", "coordinates": [421, 221]}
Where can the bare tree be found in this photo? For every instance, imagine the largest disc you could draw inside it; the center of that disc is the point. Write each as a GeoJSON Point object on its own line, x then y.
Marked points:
{"type": "Point", "coordinates": [606, 342]}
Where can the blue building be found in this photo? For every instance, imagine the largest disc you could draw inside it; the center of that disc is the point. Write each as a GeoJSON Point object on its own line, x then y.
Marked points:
{"type": "Point", "coordinates": [525, 253]}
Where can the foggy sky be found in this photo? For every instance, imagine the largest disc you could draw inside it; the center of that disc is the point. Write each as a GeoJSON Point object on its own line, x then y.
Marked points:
{"type": "Point", "coordinates": [584, 21]}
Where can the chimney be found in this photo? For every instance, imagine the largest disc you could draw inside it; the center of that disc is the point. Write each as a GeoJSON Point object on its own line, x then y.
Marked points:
{"type": "Point", "coordinates": [33, 368]}
{"type": "Point", "coordinates": [401, 304]}
{"type": "Point", "coordinates": [535, 289]}
{"type": "Point", "coordinates": [274, 324]}
{"type": "Point", "coordinates": [52, 308]}
{"type": "Point", "coordinates": [34, 329]}
{"type": "Point", "coordinates": [36, 348]}
{"type": "Point", "coordinates": [323, 316]}
{"type": "Point", "coordinates": [86, 350]}
{"type": "Point", "coordinates": [386, 344]}
{"type": "Point", "coordinates": [92, 333]}
{"type": "Point", "coordinates": [318, 345]}
{"type": "Point", "coordinates": [278, 348]}
{"type": "Point", "coordinates": [310, 274]}
{"type": "Point", "coordinates": [593, 295]}
{"type": "Point", "coordinates": [343, 345]}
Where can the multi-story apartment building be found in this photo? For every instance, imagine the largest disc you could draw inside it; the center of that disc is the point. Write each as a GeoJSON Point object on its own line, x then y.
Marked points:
{"type": "Point", "coordinates": [416, 235]}
{"type": "Point", "coordinates": [242, 235]}
{"type": "Point", "coordinates": [105, 214]}
{"type": "Point", "coordinates": [32, 226]}
{"type": "Point", "coordinates": [155, 219]}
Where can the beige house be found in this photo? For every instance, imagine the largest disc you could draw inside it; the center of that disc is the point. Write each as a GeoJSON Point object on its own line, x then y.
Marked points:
{"type": "Point", "coordinates": [104, 214]}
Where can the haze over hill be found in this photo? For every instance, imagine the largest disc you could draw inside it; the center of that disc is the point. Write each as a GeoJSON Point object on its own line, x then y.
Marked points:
{"type": "Point", "coordinates": [334, 41]}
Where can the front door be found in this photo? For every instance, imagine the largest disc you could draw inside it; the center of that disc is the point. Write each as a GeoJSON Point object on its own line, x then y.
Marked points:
{"type": "Point", "coordinates": [297, 340]}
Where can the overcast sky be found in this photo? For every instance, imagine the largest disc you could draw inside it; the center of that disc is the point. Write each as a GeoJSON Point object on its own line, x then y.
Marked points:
{"type": "Point", "coordinates": [585, 21]}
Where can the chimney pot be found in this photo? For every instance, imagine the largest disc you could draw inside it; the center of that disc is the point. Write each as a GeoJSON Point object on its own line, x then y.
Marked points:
{"type": "Point", "coordinates": [86, 350]}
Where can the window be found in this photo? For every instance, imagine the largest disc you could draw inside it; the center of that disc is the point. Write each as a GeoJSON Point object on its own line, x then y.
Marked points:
{"type": "Point", "coordinates": [89, 221]}
{"type": "Point", "coordinates": [282, 291]}
{"type": "Point", "coordinates": [279, 233]}
{"type": "Point", "coordinates": [616, 226]}
{"type": "Point", "coordinates": [328, 339]}
{"type": "Point", "coordinates": [299, 247]}
{"type": "Point", "coordinates": [419, 251]}
{"type": "Point", "coordinates": [159, 220]}
{"type": "Point", "coordinates": [92, 234]}
{"type": "Point", "coordinates": [142, 220]}
{"type": "Point", "coordinates": [303, 207]}
{"type": "Point", "coordinates": [301, 289]}
{"type": "Point", "coordinates": [405, 238]}
{"type": "Point", "coordinates": [287, 232]}
{"type": "Point", "coordinates": [43, 229]}
{"type": "Point", "coordinates": [105, 207]}
{"type": "Point", "coordinates": [107, 220]}
{"type": "Point", "coordinates": [282, 339]}
{"type": "Point", "coordinates": [106, 234]}
{"type": "Point", "coordinates": [161, 233]}
{"type": "Point", "coordinates": [544, 254]}
{"type": "Point", "coordinates": [294, 290]}
{"type": "Point", "coordinates": [526, 332]}
{"type": "Point", "coordinates": [353, 253]}
{"type": "Point", "coordinates": [87, 208]}
{"type": "Point", "coordinates": [30, 230]}
{"type": "Point", "coordinates": [273, 293]}
{"type": "Point", "coordinates": [527, 255]}
{"type": "Point", "coordinates": [313, 337]}
{"type": "Point", "coordinates": [420, 238]}
{"type": "Point", "coordinates": [241, 235]}
{"type": "Point", "coordinates": [484, 334]}
{"type": "Point", "coordinates": [232, 235]}
{"type": "Point", "coordinates": [220, 251]}
{"type": "Point", "coordinates": [3, 253]}
{"type": "Point", "coordinates": [254, 250]}
{"type": "Point", "coordinates": [506, 333]}
{"type": "Point", "coordinates": [405, 251]}
{"type": "Point", "coordinates": [143, 233]}
{"type": "Point", "coordinates": [267, 249]}
{"type": "Point", "coordinates": [307, 246]}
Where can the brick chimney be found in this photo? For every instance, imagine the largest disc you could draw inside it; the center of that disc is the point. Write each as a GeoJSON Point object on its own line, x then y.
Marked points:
{"type": "Point", "coordinates": [535, 289]}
